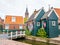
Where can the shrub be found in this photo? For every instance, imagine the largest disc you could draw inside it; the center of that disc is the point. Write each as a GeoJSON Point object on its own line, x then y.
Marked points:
{"type": "Point", "coordinates": [27, 32]}
{"type": "Point", "coordinates": [41, 32]}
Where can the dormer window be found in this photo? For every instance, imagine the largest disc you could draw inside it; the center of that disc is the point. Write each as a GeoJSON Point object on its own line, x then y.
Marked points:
{"type": "Point", "coordinates": [13, 19]}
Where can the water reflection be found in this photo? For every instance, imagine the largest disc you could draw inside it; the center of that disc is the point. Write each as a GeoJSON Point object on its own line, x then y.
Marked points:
{"type": "Point", "coordinates": [33, 42]}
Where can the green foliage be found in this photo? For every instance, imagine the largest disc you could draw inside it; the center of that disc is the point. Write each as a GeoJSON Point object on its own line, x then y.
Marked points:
{"type": "Point", "coordinates": [41, 33]}
{"type": "Point", "coordinates": [25, 20]}
{"type": "Point", "coordinates": [1, 27]}
{"type": "Point", "coordinates": [28, 32]}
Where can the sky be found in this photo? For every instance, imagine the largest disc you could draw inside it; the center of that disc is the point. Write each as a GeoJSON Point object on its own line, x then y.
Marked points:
{"type": "Point", "coordinates": [18, 7]}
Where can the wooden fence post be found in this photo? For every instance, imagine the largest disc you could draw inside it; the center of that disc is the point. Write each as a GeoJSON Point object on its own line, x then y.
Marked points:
{"type": "Point", "coordinates": [11, 35]}
{"type": "Point", "coordinates": [16, 34]}
{"type": "Point", "coordinates": [24, 32]}
{"type": "Point", "coordinates": [7, 32]}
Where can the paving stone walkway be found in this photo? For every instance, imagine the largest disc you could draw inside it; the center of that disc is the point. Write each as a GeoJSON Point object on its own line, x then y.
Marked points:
{"type": "Point", "coordinates": [57, 38]}
{"type": "Point", "coordinates": [11, 42]}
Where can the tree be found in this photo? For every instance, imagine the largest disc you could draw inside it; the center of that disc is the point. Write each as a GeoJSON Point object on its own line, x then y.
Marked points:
{"type": "Point", "coordinates": [41, 32]}
{"type": "Point", "coordinates": [25, 20]}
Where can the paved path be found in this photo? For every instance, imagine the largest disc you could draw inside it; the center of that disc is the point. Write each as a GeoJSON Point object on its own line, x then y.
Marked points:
{"type": "Point", "coordinates": [57, 38]}
{"type": "Point", "coordinates": [10, 42]}
{"type": "Point", "coordinates": [5, 36]}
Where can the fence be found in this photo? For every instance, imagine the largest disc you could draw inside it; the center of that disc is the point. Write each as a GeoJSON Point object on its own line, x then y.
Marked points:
{"type": "Point", "coordinates": [14, 34]}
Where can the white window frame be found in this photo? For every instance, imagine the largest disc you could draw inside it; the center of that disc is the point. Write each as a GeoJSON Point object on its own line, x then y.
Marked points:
{"type": "Point", "coordinates": [59, 27]}
{"type": "Point", "coordinates": [7, 26]}
{"type": "Point", "coordinates": [20, 27]}
{"type": "Point", "coordinates": [38, 23]}
{"type": "Point", "coordinates": [53, 23]}
{"type": "Point", "coordinates": [13, 19]}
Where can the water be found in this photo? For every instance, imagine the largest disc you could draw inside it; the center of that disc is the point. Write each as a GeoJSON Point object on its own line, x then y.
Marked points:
{"type": "Point", "coordinates": [32, 42]}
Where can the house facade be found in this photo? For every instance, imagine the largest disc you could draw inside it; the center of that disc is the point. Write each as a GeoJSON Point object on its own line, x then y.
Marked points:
{"type": "Point", "coordinates": [58, 13]}
{"type": "Point", "coordinates": [50, 23]}
{"type": "Point", "coordinates": [34, 21]}
{"type": "Point", "coordinates": [49, 20]}
{"type": "Point", "coordinates": [14, 23]}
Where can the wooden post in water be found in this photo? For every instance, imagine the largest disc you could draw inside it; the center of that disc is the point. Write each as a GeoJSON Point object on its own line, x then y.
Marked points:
{"type": "Point", "coordinates": [11, 35]}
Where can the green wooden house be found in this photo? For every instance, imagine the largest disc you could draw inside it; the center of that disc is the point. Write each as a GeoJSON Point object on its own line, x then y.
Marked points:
{"type": "Point", "coordinates": [34, 22]}
{"type": "Point", "coordinates": [50, 23]}
{"type": "Point", "coordinates": [49, 20]}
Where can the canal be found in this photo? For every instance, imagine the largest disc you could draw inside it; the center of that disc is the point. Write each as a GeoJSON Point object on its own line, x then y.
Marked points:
{"type": "Point", "coordinates": [32, 42]}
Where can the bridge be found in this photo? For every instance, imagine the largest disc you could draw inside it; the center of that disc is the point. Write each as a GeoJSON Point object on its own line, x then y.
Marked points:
{"type": "Point", "coordinates": [12, 35]}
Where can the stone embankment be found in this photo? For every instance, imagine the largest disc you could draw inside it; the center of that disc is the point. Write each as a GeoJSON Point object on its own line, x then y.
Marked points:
{"type": "Point", "coordinates": [48, 40]}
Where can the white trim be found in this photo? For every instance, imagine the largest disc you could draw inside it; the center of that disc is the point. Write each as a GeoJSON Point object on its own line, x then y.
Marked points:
{"type": "Point", "coordinates": [56, 13]}
{"type": "Point", "coordinates": [38, 13]}
{"type": "Point", "coordinates": [52, 11]}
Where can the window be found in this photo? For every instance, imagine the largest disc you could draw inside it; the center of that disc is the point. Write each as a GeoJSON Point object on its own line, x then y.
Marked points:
{"type": "Point", "coordinates": [20, 27]}
{"type": "Point", "coordinates": [13, 19]}
{"type": "Point", "coordinates": [38, 23]}
{"type": "Point", "coordinates": [53, 23]}
{"type": "Point", "coordinates": [6, 26]}
{"type": "Point", "coordinates": [59, 27]}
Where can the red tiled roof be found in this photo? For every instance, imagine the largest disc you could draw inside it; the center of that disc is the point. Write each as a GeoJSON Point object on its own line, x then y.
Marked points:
{"type": "Point", "coordinates": [58, 12]}
{"type": "Point", "coordinates": [19, 20]}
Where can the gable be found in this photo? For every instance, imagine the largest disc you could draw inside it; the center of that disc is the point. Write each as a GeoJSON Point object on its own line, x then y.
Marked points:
{"type": "Point", "coordinates": [53, 15]}
{"type": "Point", "coordinates": [33, 15]}
{"type": "Point", "coordinates": [41, 13]}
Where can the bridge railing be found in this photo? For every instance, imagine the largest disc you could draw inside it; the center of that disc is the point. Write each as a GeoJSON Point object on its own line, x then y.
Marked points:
{"type": "Point", "coordinates": [15, 34]}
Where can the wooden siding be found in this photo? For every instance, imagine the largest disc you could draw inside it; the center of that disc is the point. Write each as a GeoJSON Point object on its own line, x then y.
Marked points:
{"type": "Point", "coordinates": [53, 30]}
{"type": "Point", "coordinates": [38, 19]}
